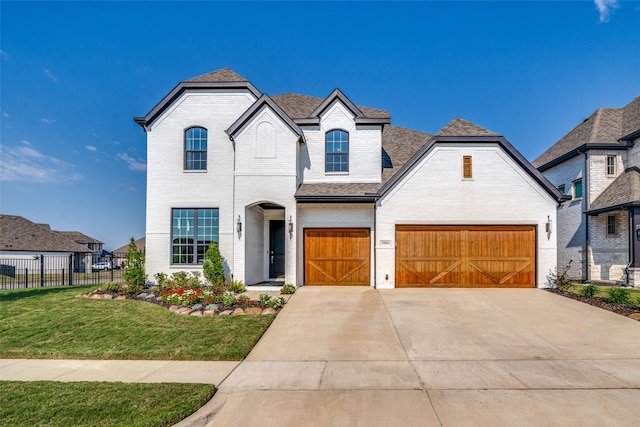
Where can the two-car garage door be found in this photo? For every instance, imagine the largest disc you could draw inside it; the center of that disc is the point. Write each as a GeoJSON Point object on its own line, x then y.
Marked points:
{"type": "Point", "coordinates": [465, 256]}
{"type": "Point", "coordinates": [426, 256]}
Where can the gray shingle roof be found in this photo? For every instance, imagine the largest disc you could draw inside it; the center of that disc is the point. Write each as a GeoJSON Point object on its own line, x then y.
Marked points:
{"type": "Point", "coordinates": [461, 127]}
{"type": "Point", "coordinates": [624, 190]}
{"type": "Point", "coordinates": [78, 237]}
{"type": "Point", "coordinates": [301, 106]}
{"type": "Point", "coordinates": [140, 245]}
{"type": "Point", "coordinates": [20, 234]}
{"type": "Point", "coordinates": [606, 126]}
{"type": "Point", "coordinates": [222, 75]}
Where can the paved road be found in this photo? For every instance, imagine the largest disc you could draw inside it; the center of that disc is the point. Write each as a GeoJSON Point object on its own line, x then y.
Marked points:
{"type": "Point", "coordinates": [434, 357]}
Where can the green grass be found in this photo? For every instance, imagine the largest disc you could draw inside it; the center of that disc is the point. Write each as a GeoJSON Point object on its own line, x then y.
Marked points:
{"type": "Point", "coordinates": [48, 403]}
{"type": "Point", "coordinates": [601, 291]}
{"type": "Point", "coordinates": [54, 323]}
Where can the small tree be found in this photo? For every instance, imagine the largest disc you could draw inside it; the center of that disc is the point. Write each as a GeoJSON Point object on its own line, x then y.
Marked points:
{"type": "Point", "coordinates": [134, 273]}
{"type": "Point", "coordinates": [212, 266]}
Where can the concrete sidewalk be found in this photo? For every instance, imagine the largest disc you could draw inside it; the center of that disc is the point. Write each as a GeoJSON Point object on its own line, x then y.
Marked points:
{"type": "Point", "coordinates": [128, 371]}
{"type": "Point", "coordinates": [434, 357]}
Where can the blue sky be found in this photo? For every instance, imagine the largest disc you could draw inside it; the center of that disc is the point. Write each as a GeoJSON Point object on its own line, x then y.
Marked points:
{"type": "Point", "coordinates": [74, 74]}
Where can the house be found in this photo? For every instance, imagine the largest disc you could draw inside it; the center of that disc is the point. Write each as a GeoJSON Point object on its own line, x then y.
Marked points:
{"type": "Point", "coordinates": [120, 254]}
{"type": "Point", "coordinates": [321, 191]}
{"type": "Point", "coordinates": [597, 164]}
{"type": "Point", "coordinates": [23, 242]}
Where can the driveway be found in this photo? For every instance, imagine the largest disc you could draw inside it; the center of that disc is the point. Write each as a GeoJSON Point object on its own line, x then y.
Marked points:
{"type": "Point", "coordinates": [434, 357]}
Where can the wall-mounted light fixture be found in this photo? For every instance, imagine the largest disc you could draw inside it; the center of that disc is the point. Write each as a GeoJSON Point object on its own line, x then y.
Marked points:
{"type": "Point", "coordinates": [290, 227]}
{"type": "Point", "coordinates": [548, 225]}
{"type": "Point", "coordinates": [239, 226]}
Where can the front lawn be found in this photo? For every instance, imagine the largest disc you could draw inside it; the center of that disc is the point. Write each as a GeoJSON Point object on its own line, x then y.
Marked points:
{"type": "Point", "coordinates": [48, 403]}
{"type": "Point", "coordinates": [53, 323]}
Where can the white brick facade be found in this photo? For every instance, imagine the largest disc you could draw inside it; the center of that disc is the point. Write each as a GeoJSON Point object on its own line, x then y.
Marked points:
{"type": "Point", "coordinates": [257, 159]}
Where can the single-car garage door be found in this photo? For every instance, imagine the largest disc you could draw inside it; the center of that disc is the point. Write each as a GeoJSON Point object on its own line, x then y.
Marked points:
{"type": "Point", "coordinates": [337, 256]}
{"type": "Point", "coordinates": [465, 256]}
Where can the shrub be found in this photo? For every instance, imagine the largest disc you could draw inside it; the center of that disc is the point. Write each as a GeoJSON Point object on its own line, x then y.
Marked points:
{"type": "Point", "coordinates": [112, 287]}
{"type": "Point", "coordinates": [236, 286]}
{"type": "Point", "coordinates": [179, 280]}
{"type": "Point", "coordinates": [134, 274]}
{"type": "Point", "coordinates": [288, 289]}
{"type": "Point", "coordinates": [264, 298]}
{"type": "Point", "coordinates": [618, 295]}
{"type": "Point", "coordinates": [276, 303]}
{"type": "Point", "coordinates": [228, 299]}
{"type": "Point", "coordinates": [243, 299]}
{"type": "Point", "coordinates": [589, 290]}
{"type": "Point", "coordinates": [559, 279]}
{"type": "Point", "coordinates": [213, 266]}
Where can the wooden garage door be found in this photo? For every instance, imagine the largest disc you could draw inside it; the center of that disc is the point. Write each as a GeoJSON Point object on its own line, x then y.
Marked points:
{"type": "Point", "coordinates": [336, 256]}
{"type": "Point", "coordinates": [465, 256]}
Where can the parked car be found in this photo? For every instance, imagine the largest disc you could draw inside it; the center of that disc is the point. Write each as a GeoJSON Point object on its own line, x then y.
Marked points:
{"type": "Point", "coordinates": [105, 265]}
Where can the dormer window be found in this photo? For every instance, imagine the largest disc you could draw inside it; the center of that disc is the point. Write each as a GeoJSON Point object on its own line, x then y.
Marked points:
{"type": "Point", "coordinates": [337, 151]}
{"type": "Point", "coordinates": [195, 149]}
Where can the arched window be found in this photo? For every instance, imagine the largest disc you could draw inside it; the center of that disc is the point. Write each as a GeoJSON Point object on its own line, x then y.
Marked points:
{"type": "Point", "coordinates": [195, 149]}
{"type": "Point", "coordinates": [337, 151]}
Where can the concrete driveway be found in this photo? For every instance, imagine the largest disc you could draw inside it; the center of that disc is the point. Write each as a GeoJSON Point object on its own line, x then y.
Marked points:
{"type": "Point", "coordinates": [435, 357]}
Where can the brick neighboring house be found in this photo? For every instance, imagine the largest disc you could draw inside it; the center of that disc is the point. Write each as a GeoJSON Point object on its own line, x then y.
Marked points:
{"type": "Point", "coordinates": [598, 165]}
{"type": "Point", "coordinates": [22, 239]}
{"type": "Point", "coordinates": [321, 191]}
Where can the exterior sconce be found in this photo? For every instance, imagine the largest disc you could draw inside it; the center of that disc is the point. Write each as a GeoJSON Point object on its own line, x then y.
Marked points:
{"type": "Point", "coordinates": [290, 227]}
{"type": "Point", "coordinates": [548, 225]}
{"type": "Point", "coordinates": [239, 226]}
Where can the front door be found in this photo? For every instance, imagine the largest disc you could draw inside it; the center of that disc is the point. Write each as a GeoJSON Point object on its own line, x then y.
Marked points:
{"type": "Point", "coordinates": [276, 249]}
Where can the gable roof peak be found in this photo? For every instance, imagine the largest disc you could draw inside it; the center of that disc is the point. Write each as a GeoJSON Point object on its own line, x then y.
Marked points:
{"type": "Point", "coordinates": [221, 75]}
{"type": "Point", "coordinates": [462, 127]}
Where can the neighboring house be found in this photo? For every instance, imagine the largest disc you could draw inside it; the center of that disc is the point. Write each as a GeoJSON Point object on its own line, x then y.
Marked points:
{"type": "Point", "coordinates": [320, 191]}
{"type": "Point", "coordinates": [120, 254]}
{"type": "Point", "coordinates": [21, 239]}
{"type": "Point", "coordinates": [597, 165]}
{"type": "Point", "coordinates": [90, 243]}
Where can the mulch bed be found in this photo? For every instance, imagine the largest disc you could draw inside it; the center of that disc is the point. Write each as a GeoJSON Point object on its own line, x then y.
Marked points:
{"type": "Point", "coordinates": [622, 309]}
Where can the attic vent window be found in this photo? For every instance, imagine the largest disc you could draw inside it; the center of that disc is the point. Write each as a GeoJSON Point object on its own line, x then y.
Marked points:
{"type": "Point", "coordinates": [467, 169]}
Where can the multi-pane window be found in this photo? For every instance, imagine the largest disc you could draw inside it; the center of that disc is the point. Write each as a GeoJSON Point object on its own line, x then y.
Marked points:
{"type": "Point", "coordinates": [337, 151]}
{"type": "Point", "coordinates": [467, 167]}
{"type": "Point", "coordinates": [612, 225]}
{"type": "Point", "coordinates": [195, 149]}
{"type": "Point", "coordinates": [577, 189]}
{"type": "Point", "coordinates": [192, 231]}
{"type": "Point", "coordinates": [611, 165]}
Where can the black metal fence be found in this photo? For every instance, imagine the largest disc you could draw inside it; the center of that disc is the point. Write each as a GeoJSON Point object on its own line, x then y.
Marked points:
{"type": "Point", "coordinates": [34, 271]}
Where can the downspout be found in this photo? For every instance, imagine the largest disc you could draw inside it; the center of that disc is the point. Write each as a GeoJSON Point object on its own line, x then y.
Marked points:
{"type": "Point", "coordinates": [632, 236]}
{"type": "Point", "coordinates": [233, 209]}
{"type": "Point", "coordinates": [585, 196]}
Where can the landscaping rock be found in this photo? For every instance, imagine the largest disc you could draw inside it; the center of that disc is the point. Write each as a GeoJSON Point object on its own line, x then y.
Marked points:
{"type": "Point", "coordinates": [106, 296]}
{"type": "Point", "coordinates": [143, 295]}
{"type": "Point", "coordinates": [196, 313]}
{"type": "Point", "coordinates": [635, 316]}
{"type": "Point", "coordinates": [150, 296]}
{"type": "Point", "coordinates": [95, 296]}
{"type": "Point", "coordinates": [186, 312]}
{"type": "Point", "coordinates": [197, 307]}
{"type": "Point", "coordinates": [120, 297]}
{"type": "Point", "coordinates": [269, 310]}
{"type": "Point", "coordinates": [181, 310]}
{"type": "Point", "coordinates": [225, 313]}
{"type": "Point", "coordinates": [238, 312]}
{"type": "Point", "coordinates": [253, 310]}
{"type": "Point", "coordinates": [173, 308]}
{"type": "Point", "coordinates": [212, 307]}
{"type": "Point", "coordinates": [208, 313]}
